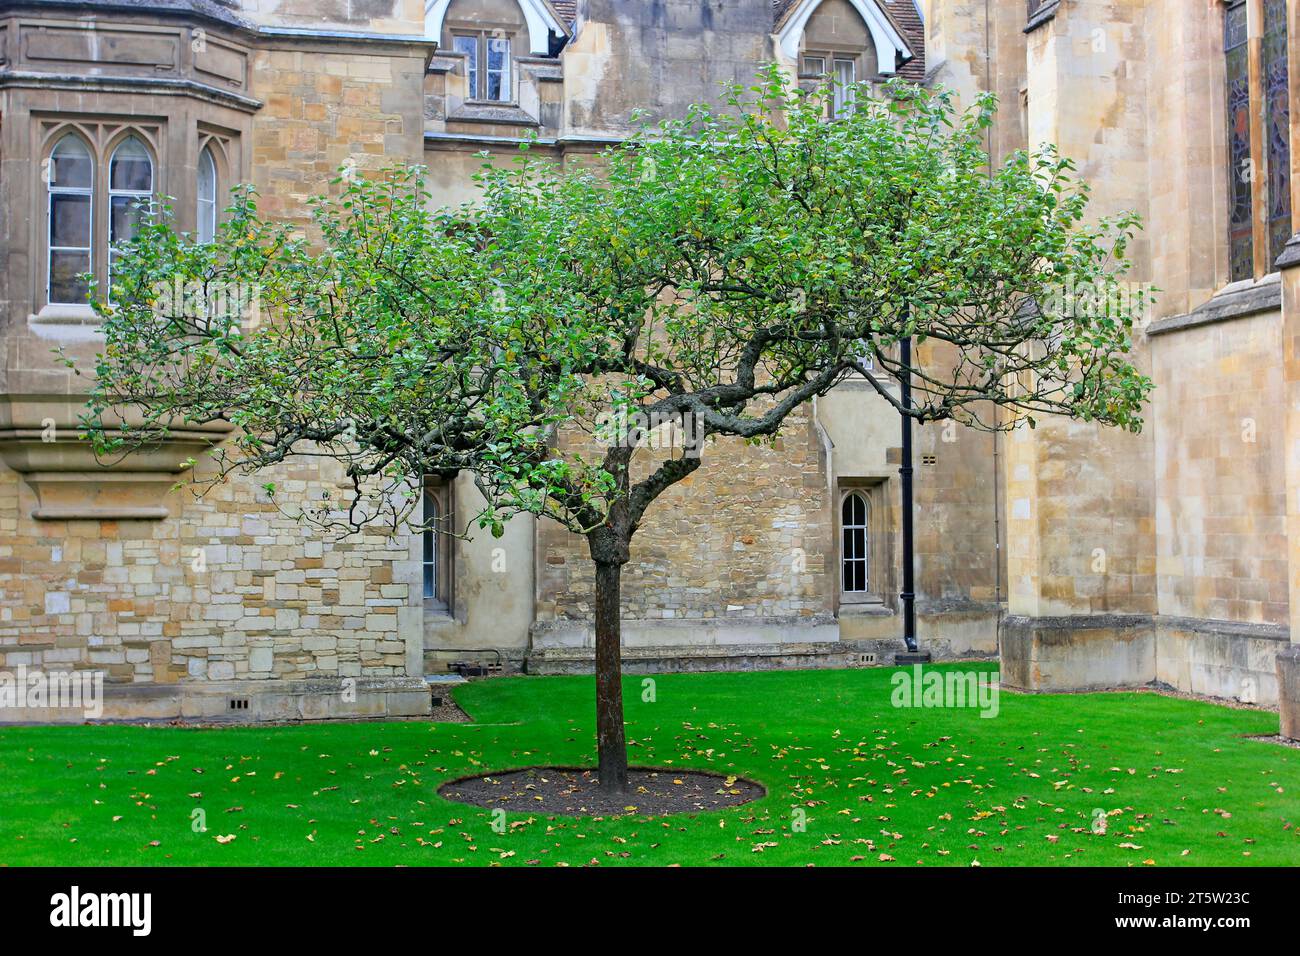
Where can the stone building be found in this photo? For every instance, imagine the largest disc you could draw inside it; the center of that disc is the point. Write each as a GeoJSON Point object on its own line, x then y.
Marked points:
{"type": "Point", "coordinates": [1081, 557]}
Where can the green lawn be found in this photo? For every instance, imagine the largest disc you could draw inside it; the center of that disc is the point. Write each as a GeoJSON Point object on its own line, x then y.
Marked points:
{"type": "Point", "coordinates": [930, 786]}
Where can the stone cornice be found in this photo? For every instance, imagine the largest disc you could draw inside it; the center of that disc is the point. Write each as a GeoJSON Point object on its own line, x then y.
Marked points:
{"type": "Point", "coordinates": [1236, 301]}
{"type": "Point", "coordinates": [173, 86]}
{"type": "Point", "coordinates": [437, 140]}
{"type": "Point", "coordinates": [217, 13]}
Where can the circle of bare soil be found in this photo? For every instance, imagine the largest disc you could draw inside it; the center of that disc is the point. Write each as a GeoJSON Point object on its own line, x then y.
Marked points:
{"type": "Point", "coordinates": [574, 792]}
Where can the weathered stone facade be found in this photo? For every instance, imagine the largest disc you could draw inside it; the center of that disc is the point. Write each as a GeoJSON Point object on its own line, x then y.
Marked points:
{"type": "Point", "coordinates": [1085, 557]}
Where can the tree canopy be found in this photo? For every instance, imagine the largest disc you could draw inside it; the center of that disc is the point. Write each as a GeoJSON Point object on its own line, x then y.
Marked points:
{"type": "Point", "coordinates": [717, 271]}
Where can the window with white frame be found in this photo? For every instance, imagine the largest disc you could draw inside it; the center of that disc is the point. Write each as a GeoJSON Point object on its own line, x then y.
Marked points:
{"type": "Point", "coordinates": [206, 196]}
{"type": "Point", "coordinates": [846, 75]}
{"type": "Point", "coordinates": [855, 562]}
{"type": "Point", "coordinates": [838, 72]}
{"type": "Point", "coordinates": [70, 185]}
{"type": "Point", "coordinates": [130, 191]}
{"type": "Point", "coordinates": [498, 69]}
{"type": "Point", "coordinates": [487, 66]}
{"type": "Point", "coordinates": [468, 47]}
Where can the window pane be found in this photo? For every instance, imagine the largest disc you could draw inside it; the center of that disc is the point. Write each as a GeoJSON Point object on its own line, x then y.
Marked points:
{"type": "Point", "coordinates": [125, 213]}
{"type": "Point", "coordinates": [66, 268]}
{"type": "Point", "coordinates": [207, 176]}
{"type": "Point", "coordinates": [469, 47]}
{"type": "Point", "coordinates": [207, 192]}
{"type": "Point", "coordinates": [430, 544]}
{"type": "Point", "coordinates": [131, 169]}
{"type": "Point", "coordinates": [814, 65]}
{"type": "Point", "coordinates": [70, 166]}
{"type": "Point", "coordinates": [498, 72]}
{"type": "Point", "coordinates": [69, 219]}
{"type": "Point", "coordinates": [1240, 167]}
{"type": "Point", "coordinates": [845, 74]}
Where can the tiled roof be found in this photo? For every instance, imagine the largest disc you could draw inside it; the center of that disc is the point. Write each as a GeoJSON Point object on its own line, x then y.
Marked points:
{"type": "Point", "coordinates": [904, 13]}
{"type": "Point", "coordinates": [781, 6]}
{"type": "Point", "coordinates": [567, 9]}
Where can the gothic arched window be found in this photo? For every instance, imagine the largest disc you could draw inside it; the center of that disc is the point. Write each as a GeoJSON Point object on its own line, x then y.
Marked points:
{"type": "Point", "coordinates": [207, 196]}
{"type": "Point", "coordinates": [130, 190]}
{"type": "Point", "coordinates": [854, 561]}
{"type": "Point", "coordinates": [70, 187]}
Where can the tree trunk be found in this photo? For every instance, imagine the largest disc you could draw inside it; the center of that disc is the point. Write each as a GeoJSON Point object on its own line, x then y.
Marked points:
{"type": "Point", "coordinates": [611, 742]}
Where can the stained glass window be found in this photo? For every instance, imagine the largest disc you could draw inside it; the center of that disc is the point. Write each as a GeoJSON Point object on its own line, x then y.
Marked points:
{"type": "Point", "coordinates": [1277, 126]}
{"type": "Point", "coordinates": [1240, 165]}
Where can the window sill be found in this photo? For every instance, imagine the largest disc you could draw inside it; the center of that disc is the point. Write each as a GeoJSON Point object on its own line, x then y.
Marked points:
{"type": "Point", "coordinates": [865, 608]}
{"type": "Point", "coordinates": [482, 111]}
{"type": "Point", "coordinates": [64, 314]}
{"type": "Point", "coordinates": [437, 611]}
{"type": "Point", "coordinates": [1237, 300]}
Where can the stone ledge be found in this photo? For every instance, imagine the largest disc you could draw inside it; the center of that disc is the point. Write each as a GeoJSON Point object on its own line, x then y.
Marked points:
{"type": "Point", "coordinates": [804, 655]}
{"type": "Point", "coordinates": [268, 700]}
{"type": "Point", "coordinates": [1235, 301]}
{"type": "Point", "coordinates": [691, 634]}
{"type": "Point", "coordinates": [492, 114]}
{"type": "Point", "coordinates": [1224, 659]}
{"type": "Point", "coordinates": [1204, 625]}
{"type": "Point", "coordinates": [1290, 253]}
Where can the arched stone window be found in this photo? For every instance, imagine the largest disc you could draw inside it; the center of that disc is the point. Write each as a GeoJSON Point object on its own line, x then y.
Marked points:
{"type": "Point", "coordinates": [206, 196]}
{"type": "Point", "coordinates": [70, 186]}
{"type": "Point", "coordinates": [130, 190]}
{"type": "Point", "coordinates": [84, 220]}
{"type": "Point", "coordinates": [855, 562]}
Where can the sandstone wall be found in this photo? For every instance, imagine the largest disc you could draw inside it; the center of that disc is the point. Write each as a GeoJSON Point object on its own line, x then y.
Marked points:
{"type": "Point", "coordinates": [744, 539]}
{"type": "Point", "coordinates": [1220, 482]}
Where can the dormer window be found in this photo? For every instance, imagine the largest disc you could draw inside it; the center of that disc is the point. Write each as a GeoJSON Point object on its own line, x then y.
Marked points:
{"type": "Point", "coordinates": [841, 44]}
{"type": "Point", "coordinates": [487, 66]}
{"type": "Point", "coordinates": [486, 36]}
